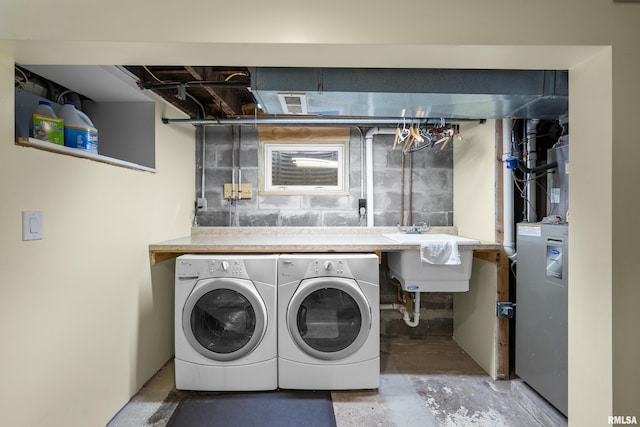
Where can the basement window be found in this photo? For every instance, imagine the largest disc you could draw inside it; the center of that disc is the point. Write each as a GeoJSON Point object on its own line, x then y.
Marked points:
{"type": "Point", "coordinates": [303, 168]}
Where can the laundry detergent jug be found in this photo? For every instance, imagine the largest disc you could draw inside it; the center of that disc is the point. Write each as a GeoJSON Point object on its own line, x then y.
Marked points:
{"type": "Point", "coordinates": [79, 131]}
{"type": "Point", "coordinates": [45, 125]}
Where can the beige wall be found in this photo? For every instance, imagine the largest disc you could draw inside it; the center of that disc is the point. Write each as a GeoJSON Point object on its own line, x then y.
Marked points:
{"type": "Point", "coordinates": [597, 41]}
{"type": "Point", "coordinates": [83, 324]}
{"type": "Point", "coordinates": [474, 316]}
{"type": "Point", "coordinates": [474, 213]}
{"type": "Point", "coordinates": [474, 186]}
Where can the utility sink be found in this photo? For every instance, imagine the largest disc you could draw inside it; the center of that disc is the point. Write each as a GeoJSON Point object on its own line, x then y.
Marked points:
{"type": "Point", "coordinates": [417, 276]}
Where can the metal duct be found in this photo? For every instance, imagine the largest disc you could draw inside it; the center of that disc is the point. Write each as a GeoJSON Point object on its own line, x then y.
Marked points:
{"type": "Point", "coordinates": [451, 93]}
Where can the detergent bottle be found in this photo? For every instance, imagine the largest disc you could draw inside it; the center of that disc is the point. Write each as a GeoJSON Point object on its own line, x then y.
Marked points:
{"type": "Point", "coordinates": [45, 125]}
{"type": "Point", "coordinates": [79, 131]}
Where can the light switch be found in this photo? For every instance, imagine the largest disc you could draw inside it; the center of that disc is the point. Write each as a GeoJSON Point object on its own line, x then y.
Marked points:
{"type": "Point", "coordinates": [31, 225]}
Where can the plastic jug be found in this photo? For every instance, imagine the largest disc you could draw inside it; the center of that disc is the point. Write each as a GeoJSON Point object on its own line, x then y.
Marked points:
{"type": "Point", "coordinates": [79, 131]}
{"type": "Point", "coordinates": [45, 125]}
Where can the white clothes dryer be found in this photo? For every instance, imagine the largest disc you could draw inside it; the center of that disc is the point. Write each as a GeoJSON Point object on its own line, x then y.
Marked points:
{"type": "Point", "coordinates": [225, 322]}
{"type": "Point", "coordinates": [328, 321]}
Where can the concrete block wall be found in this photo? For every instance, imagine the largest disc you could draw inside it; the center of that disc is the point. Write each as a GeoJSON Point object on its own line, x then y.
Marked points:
{"type": "Point", "coordinates": [432, 203]}
{"type": "Point", "coordinates": [432, 186]}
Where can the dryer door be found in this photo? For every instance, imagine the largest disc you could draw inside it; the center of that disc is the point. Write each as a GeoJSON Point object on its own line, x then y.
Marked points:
{"type": "Point", "coordinates": [224, 319]}
{"type": "Point", "coordinates": [329, 317]}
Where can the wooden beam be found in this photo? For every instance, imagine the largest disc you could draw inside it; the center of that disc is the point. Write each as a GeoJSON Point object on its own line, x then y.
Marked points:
{"type": "Point", "coordinates": [224, 98]}
{"type": "Point", "coordinates": [491, 256]}
{"type": "Point", "coordinates": [502, 331]}
{"type": "Point", "coordinates": [502, 264]}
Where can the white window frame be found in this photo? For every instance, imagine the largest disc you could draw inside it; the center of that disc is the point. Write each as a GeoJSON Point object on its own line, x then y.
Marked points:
{"type": "Point", "coordinates": [341, 148]}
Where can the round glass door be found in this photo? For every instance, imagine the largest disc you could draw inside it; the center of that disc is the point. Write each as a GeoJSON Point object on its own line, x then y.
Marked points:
{"type": "Point", "coordinates": [224, 319]}
{"type": "Point", "coordinates": [329, 318]}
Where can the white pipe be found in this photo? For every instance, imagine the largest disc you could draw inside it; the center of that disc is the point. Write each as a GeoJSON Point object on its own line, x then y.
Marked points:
{"type": "Point", "coordinates": [394, 306]}
{"type": "Point", "coordinates": [204, 152]}
{"type": "Point", "coordinates": [239, 193]}
{"type": "Point", "coordinates": [532, 161]}
{"type": "Point", "coordinates": [416, 312]}
{"type": "Point", "coordinates": [368, 139]}
{"type": "Point", "coordinates": [507, 189]}
{"type": "Point", "coordinates": [362, 164]}
{"type": "Point", "coordinates": [405, 313]}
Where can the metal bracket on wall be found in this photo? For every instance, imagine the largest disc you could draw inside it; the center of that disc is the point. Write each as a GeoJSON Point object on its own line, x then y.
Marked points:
{"type": "Point", "coordinates": [505, 310]}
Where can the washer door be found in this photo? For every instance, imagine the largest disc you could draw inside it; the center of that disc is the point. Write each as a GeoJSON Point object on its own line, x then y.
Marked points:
{"type": "Point", "coordinates": [329, 317]}
{"type": "Point", "coordinates": [224, 319]}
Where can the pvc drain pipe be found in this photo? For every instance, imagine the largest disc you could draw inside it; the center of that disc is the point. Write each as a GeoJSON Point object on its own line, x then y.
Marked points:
{"type": "Point", "coordinates": [405, 313]}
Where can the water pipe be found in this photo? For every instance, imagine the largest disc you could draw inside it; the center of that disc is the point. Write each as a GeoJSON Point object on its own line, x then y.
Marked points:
{"type": "Point", "coordinates": [368, 141]}
{"type": "Point", "coordinates": [508, 241]}
{"type": "Point", "coordinates": [532, 159]}
{"type": "Point", "coordinates": [405, 313]}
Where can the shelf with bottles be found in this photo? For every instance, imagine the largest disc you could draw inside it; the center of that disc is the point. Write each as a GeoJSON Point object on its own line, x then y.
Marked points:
{"type": "Point", "coordinates": [75, 152]}
{"type": "Point", "coordinates": [125, 126]}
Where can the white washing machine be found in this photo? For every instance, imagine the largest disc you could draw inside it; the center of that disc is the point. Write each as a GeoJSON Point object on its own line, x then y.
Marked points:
{"type": "Point", "coordinates": [225, 322]}
{"type": "Point", "coordinates": [328, 321]}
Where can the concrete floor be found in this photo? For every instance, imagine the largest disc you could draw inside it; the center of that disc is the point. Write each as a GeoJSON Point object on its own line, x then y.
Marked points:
{"type": "Point", "coordinates": [426, 382]}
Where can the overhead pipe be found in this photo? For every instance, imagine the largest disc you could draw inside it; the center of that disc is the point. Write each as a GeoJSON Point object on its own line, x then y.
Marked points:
{"type": "Point", "coordinates": [198, 84]}
{"type": "Point", "coordinates": [302, 120]}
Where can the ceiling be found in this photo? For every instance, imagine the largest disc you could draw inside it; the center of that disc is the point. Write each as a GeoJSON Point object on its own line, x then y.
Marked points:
{"type": "Point", "coordinates": [232, 92]}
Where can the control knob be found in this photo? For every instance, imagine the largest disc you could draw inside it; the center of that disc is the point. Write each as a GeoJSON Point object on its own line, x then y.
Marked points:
{"type": "Point", "coordinates": [328, 265]}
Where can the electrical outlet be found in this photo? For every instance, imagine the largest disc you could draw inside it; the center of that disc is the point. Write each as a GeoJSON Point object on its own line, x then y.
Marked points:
{"type": "Point", "coordinates": [201, 204]}
{"type": "Point", "coordinates": [362, 206]}
{"type": "Point", "coordinates": [505, 310]}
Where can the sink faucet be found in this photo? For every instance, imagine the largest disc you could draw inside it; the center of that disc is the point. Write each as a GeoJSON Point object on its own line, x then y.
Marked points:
{"type": "Point", "coordinates": [414, 229]}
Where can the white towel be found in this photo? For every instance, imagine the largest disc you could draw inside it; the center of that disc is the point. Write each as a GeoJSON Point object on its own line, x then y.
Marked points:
{"type": "Point", "coordinates": [440, 252]}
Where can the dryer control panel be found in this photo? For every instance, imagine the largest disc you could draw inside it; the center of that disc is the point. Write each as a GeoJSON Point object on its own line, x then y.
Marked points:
{"type": "Point", "coordinates": [329, 267]}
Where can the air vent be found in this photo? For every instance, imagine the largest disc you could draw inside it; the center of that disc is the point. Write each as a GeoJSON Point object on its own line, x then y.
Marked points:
{"type": "Point", "coordinates": [293, 103]}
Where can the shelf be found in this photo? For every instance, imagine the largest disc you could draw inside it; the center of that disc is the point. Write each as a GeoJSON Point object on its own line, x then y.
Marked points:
{"type": "Point", "coordinates": [61, 149]}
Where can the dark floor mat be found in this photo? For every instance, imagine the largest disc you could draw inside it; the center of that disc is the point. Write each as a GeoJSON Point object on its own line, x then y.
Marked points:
{"type": "Point", "coordinates": [259, 409]}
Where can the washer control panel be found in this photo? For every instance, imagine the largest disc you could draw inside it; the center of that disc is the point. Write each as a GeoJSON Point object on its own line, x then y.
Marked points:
{"type": "Point", "coordinates": [328, 266]}
{"type": "Point", "coordinates": [303, 266]}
